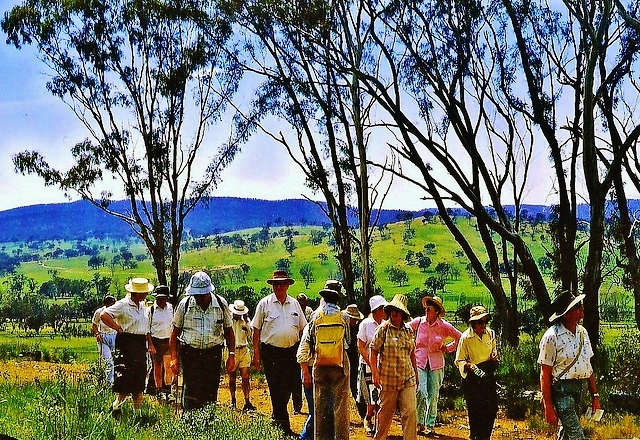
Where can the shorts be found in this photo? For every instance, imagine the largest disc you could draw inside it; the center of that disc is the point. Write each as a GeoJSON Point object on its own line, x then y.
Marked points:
{"type": "Point", "coordinates": [243, 357]}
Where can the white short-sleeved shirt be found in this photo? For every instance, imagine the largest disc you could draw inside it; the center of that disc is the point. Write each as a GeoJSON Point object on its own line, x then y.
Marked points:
{"type": "Point", "coordinates": [102, 327]}
{"type": "Point", "coordinates": [366, 330]}
{"type": "Point", "coordinates": [131, 316]}
{"type": "Point", "coordinates": [160, 321]}
{"type": "Point", "coordinates": [202, 329]}
{"type": "Point", "coordinates": [242, 332]}
{"type": "Point", "coordinates": [559, 347]}
{"type": "Point", "coordinates": [279, 324]}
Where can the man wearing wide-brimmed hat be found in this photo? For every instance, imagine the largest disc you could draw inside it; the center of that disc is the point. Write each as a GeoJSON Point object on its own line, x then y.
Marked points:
{"type": "Point", "coordinates": [330, 376]}
{"type": "Point", "coordinates": [277, 326]}
{"type": "Point", "coordinates": [243, 335]}
{"type": "Point", "coordinates": [394, 369]}
{"type": "Point", "coordinates": [160, 316]}
{"type": "Point", "coordinates": [128, 317]}
{"type": "Point", "coordinates": [201, 325]}
{"type": "Point", "coordinates": [434, 337]}
{"type": "Point", "coordinates": [565, 361]}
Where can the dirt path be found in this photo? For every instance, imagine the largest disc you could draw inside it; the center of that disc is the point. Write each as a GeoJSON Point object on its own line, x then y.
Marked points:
{"type": "Point", "coordinates": [456, 429]}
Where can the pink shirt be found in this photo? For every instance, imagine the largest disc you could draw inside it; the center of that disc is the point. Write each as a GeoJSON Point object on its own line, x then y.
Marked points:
{"type": "Point", "coordinates": [429, 341]}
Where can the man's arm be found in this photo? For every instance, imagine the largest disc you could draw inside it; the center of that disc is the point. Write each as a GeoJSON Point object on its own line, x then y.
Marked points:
{"type": "Point", "coordinates": [595, 397]}
{"type": "Point", "coordinates": [256, 348]}
{"type": "Point", "coordinates": [375, 375]}
{"type": "Point", "coordinates": [545, 386]}
{"type": "Point", "coordinates": [173, 348]}
{"type": "Point", "coordinates": [364, 352]}
{"type": "Point", "coordinates": [230, 338]}
{"type": "Point", "coordinates": [110, 322]}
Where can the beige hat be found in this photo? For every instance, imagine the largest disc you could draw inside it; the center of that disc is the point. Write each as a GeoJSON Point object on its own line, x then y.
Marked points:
{"type": "Point", "coordinates": [436, 301]}
{"type": "Point", "coordinates": [332, 291]}
{"type": "Point", "coordinates": [399, 302]}
{"type": "Point", "coordinates": [352, 312]}
{"type": "Point", "coordinates": [238, 308]}
{"type": "Point", "coordinates": [563, 303]}
{"type": "Point", "coordinates": [477, 313]}
{"type": "Point", "coordinates": [138, 285]}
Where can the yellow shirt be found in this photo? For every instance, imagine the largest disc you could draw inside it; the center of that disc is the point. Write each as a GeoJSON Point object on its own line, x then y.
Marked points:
{"type": "Point", "coordinates": [475, 349]}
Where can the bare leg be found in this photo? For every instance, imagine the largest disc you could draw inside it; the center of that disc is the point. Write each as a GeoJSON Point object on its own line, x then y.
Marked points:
{"type": "Point", "coordinates": [232, 387]}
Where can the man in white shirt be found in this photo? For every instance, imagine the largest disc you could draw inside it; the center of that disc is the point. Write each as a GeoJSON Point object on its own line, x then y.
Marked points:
{"type": "Point", "coordinates": [160, 316]}
{"type": "Point", "coordinates": [128, 317]}
{"type": "Point", "coordinates": [565, 363]}
{"type": "Point", "coordinates": [277, 326]}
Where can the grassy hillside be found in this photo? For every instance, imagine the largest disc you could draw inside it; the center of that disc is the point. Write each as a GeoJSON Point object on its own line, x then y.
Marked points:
{"type": "Point", "coordinates": [389, 250]}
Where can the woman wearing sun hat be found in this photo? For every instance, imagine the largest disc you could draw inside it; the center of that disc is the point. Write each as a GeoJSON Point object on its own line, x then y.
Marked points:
{"type": "Point", "coordinates": [394, 370]}
{"type": "Point", "coordinates": [477, 360]}
{"type": "Point", "coordinates": [434, 337]}
{"type": "Point", "coordinates": [128, 317]}
{"type": "Point", "coordinates": [565, 363]}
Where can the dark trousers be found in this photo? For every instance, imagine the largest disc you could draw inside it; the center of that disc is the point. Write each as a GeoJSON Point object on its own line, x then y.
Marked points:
{"type": "Point", "coordinates": [282, 372]}
{"type": "Point", "coordinates": [482, 404]}
{"type": "Point", "coordinates": [130, 363]}
{"type": "Point", "coordinates": [200, 375]}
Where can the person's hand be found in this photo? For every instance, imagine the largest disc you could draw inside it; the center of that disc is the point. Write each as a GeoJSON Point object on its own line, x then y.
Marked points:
{"type": "Point", "coordinates": [99, 338]}
{"type": "Point", "coordinates": [231, 363]}
{"type": "Point", "coordinates": [152, 349]}
{"type": "Point", "coordinates": [376, 379]}
{"type": "Point", "coordinates": [256, 360]}
{"type": "Point", "coordinates": [595, 403]}
{"type": "Point", "coordinates": [306, 380]}
{"type": "Point", "coordinates": [175, 366]}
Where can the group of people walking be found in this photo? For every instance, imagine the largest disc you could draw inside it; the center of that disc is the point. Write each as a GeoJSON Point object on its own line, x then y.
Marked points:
{"type": "Point", "coordinates": [389, 361]}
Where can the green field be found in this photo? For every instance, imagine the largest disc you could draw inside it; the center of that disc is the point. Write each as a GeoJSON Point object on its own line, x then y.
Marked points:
{"type": "Point", "coordinates": [389, 252]}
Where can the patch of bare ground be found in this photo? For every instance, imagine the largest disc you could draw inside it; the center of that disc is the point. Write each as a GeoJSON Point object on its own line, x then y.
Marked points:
{"type": "Point", "coordinates": [455, 429]}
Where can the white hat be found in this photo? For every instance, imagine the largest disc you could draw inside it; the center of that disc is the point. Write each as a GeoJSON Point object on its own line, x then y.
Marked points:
{"type": "Point", "coordinates": [377, 301]}
{"type": "Point", "coordinates": [563, 303]}
{"type": "Point", "coordinates": [200, 284]}
{"type": "Point", "coordinates": [139, 285]}
{"type": "Point", "coordinates": [238, 307]}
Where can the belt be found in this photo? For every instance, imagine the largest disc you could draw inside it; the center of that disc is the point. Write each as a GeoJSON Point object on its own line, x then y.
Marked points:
{"type": "Point", "coordinates": [240, 346]}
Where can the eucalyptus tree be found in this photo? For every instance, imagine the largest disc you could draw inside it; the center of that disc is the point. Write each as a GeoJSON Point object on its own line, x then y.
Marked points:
{"type": "Point", "coordinates": [148, 80]}
{"type": "Point", "coordinates": [495, 83]}
{"type": "Point", "coordinates": [326, 110]}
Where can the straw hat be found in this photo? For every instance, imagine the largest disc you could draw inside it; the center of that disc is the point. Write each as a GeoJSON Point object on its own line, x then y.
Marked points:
{"type": "Point", "coordinates": [436, 301]}
{"type": "Point", "coordinates": [199, 284]}
{"type": "Point", "coordinates": [563, 303]}
{"type": "Point", "coordinates": [238, 308]}
{"type": "Point", "coordinates": [477, 313]}
{"type": "Point", "coordinates": [399, 302]}
{"type": "Point", "coordinates": [352, 312]}
{"type": "Point", "coordinates": [280, 277]}
{"type": "Point", "coordinates": [138, 285]}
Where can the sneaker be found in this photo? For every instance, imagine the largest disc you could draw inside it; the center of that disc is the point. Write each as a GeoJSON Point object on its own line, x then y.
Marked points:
{"type": "Point", "coordinates": [248, 407]}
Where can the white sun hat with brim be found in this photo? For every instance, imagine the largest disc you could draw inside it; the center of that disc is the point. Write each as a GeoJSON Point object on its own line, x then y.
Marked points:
{"type": "Point", "coordinates": [563, 303]}
{"type": "Point", "coordinates": [200, 284]}
{"type": "Point", "coordinates": [377, 301]}
{"type": "Point", "coordinates": [138, 285]}
{"type": "Point", "coordinates": [238, 308]}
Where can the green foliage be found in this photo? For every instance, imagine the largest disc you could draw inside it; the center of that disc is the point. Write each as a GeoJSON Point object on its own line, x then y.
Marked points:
{"type": "Point", "coordinates": [620, 363]}
{"type": "Point", "coordinates": [519, 372]}
{"type": "Point", "coordinates": [73, 408]}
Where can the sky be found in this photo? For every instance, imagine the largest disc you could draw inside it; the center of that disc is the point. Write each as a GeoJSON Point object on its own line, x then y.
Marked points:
{"type": "Point", "coordinates": [32, 119]}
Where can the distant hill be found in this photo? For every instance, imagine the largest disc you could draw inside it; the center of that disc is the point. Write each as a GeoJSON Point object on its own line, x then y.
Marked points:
{"type": "Point", "coordinates": [81, 220]}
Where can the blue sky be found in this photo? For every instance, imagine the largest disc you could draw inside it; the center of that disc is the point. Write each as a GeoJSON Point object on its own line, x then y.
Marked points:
{"type": "Point", "coordinates": [32, 119]}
